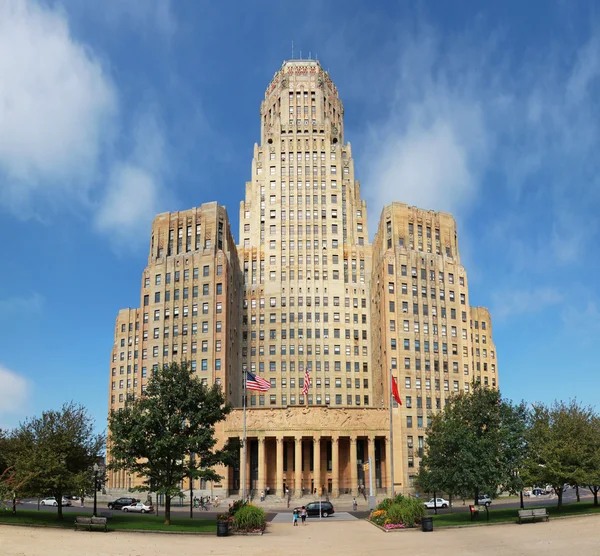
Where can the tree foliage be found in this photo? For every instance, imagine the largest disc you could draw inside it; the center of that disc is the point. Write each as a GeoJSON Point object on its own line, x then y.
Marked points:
{"type": "Point", "coordinates": [154, 435]}
{"type": "Point", "coordinates": [563, 446]}
{"type": "Point", "coordinates": [53, 455]}
{"type": "Point", "coordinates": [474, 445]}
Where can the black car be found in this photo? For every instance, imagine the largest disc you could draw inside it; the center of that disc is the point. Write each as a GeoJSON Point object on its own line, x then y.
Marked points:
{"type": "Point", "coordinates": [120, 502]}
{"type": "Point", "coordinates": [313, 509]}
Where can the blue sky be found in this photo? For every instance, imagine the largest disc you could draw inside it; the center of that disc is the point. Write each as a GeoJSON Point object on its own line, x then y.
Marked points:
{"type": "Point", "coordinates": [111, 112]}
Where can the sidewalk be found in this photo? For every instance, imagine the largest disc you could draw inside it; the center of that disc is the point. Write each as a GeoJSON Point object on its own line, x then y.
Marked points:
{"type": "Point", "coordinates": [556, 538]}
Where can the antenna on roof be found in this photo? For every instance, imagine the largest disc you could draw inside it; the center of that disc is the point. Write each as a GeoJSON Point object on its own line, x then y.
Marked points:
{"type": "Point", "coordinates": [301, 55]}
{"type": "Point", "coordinates": [309, 53]}
{"type": "Point", "coordinates": [292, 50]}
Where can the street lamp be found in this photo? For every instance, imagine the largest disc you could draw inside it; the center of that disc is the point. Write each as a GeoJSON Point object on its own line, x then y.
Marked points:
{"type": "Point", "coordinates": [96, 469]}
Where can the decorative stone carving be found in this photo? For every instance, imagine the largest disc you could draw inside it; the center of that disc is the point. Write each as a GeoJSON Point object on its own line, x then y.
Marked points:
{"type": "Point", "coordinates": [312, 418]}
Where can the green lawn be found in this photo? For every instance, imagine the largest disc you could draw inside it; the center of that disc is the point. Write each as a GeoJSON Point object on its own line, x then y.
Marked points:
{"type": "Point", "coordinates": [507, 515]}
{"type": "Point", "coordinates": [119, 521]}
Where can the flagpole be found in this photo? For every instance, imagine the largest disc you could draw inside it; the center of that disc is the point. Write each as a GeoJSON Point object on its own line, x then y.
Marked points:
{"type": "Point", "coordinates": [391, 443]}
{"type": "Point", "coordinates": [244, 445]}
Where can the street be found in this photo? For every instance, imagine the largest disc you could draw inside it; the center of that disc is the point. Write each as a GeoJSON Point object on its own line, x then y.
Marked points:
{"type": "Point", "coordinates": [569, 496]}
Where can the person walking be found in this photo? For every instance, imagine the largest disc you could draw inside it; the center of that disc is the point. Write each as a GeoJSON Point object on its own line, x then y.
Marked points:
{"type": "Point", "coordinates": [262, 495]}
{"type": "Point", "coordinates": [354, 504]}
{"type": "Point", "coordinates": [303, 515]}
{"type": "Point", "coordinates": [216, 502]}
{"type": "Point", "coordinates": [295, 518]}
{"type": "Point", "coordinates": [82, 500]}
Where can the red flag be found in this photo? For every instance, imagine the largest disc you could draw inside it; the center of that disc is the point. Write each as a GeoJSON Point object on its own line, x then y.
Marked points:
{"type": "Point", "coordinates": [395, 391]}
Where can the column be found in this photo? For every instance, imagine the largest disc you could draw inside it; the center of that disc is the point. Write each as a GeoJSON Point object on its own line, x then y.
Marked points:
{"type": "Point", "coordinates": [243, 475]}
{"type": "Point", "coordinates": [225, 481]}
{"type": "Point", "coordinates": [353, 466]}
{"type": "Point", "coordinates": [335, 466]}
{"type": "Point", "coordinates": [262, 465]}
{"type": "Point", "coordinates": [317, 463]}
{"type": "Point", "coordinates": [371, 454]}
{"type": "Point", "coordinates": [388, 467]}
{"type": "Point", "coordinates": [279, 485]}
{"type": "Point", "coordinates": [298, 466]}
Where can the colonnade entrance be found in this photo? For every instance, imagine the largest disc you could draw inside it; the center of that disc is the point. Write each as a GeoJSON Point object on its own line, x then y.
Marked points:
{"type": "Point", "coordinates": [309, 465]}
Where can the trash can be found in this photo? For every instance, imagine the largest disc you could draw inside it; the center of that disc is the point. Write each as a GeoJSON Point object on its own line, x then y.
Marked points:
{"type": "Point", "coordinates": [222, 529]}
{"type": "Point", "coordinates": [427, 524]}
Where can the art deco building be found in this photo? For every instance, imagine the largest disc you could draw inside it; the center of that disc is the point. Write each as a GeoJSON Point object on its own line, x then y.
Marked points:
{"type": "Point", "coordinates": [305, 291]}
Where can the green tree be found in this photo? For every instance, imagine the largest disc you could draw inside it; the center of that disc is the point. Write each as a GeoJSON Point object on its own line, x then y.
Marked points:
{"type": "Point", "coordinates": [154, 435]}
{"type": "Point", "coordinates": [592, 458]}
{"type": "Point", "coordinates": [474, 445]}
{"type": "Point", "coordinates": [560, 444]}
{"type": "Point", "coordinates": [54, 454]}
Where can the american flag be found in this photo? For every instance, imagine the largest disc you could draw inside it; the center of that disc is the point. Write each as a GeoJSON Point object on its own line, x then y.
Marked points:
{"type": "Point", "coordinates": [306, 383]}
{"type": "Point", "coordinates": [254, 382]}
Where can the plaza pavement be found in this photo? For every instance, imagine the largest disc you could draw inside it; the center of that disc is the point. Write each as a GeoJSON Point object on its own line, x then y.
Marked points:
{"type": "Point", "coordinates": [556, 538]}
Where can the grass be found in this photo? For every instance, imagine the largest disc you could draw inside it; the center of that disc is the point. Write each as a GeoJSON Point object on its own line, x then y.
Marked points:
{"type": "Point", "coordinates": [118, 521]}
{"type": "Point", "coordinates": [509, 515]}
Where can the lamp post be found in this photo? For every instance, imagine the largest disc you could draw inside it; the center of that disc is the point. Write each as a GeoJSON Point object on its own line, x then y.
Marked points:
{"type": "Point", "coordinates": [96, 468]}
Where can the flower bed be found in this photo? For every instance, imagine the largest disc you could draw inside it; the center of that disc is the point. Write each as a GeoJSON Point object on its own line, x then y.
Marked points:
{"type": "Point", "coordinates": [245, 519]}
{"type": "Point", "coordinates": [399, 513]}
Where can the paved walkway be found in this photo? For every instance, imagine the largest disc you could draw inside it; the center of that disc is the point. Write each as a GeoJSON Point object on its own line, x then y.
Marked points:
{"type": "Point", "coordinates": [558, 537]}
{"type": "Point", "coordinates": [286, 517]}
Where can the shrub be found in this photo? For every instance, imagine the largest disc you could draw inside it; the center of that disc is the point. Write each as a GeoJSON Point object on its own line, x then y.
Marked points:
{"type": "Point", "coordinates": [408, 511]}
{"type": "Point", "coordinates": [249, 519]}
{"type": "Point", "coordinates": [384, 504]}
{"type": "Point", "coordinates": [378, 517]}
{"type": "Point", "coordinates": [394, 514]}
{"type": "Point", "coordinates": [399, 498]}
{"type": "Point", "coordinates": [235, 507]}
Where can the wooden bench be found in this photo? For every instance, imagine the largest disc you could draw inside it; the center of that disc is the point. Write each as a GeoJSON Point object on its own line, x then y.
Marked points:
{"type": "Point", "coordinates": [542, 513]}
{"type": "Point", "coordinates": [90, 522]}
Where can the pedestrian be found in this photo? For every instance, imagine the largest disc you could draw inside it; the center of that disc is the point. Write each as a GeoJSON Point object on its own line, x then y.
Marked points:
{"type": "Point", "coordinates": [303, 515]}
{"type": "Point", "coordinates": [82, 500]}
{"type": "Point", "coordinates": [354, 504]}
{"type": "Point", "coordinates": [262, 495]}
{"type": "Point", "coordinates": [216, 500]}
{"type": "Point", "coordinates": [295, 518]}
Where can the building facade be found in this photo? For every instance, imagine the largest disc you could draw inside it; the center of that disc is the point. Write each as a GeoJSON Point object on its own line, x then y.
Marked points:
{"type": "Point", "coordinates": [305, 291]}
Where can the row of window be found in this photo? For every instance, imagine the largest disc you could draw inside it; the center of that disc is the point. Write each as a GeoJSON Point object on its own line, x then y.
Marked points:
{"type": "Point", "coordinates": [283, 350]}
{"type": "Point", "coordinates": [299, 317]}
{"type": "Point", "coordinates": [184, 292]}
{"type": "Point", "coordinates": [318, 399]}
{"type": "Point", "coordinates": [318, 366]}
{"type": "Point", "coordinates": [408, 382]}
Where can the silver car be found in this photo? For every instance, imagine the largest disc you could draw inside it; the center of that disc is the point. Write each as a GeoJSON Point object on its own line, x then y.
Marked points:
{"type": "Point", "coordinates": [139, 507]}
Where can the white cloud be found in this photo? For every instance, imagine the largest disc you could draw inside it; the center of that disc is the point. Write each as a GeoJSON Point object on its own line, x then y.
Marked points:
{"type": "Point", "coordinates": [135, 191]}
{"type": "Point", "coordinates": [15, 394]}
{"type": "Point", "coordinates": [515, 302]}
{"type": "Point", "coordinates": [56, 107]}
{"type": "Point", "coordinates": [464, 115]}
{"type": "Point", "coordinates": [28, 304]}
{"type": "Point", "coordinates": [434, 143]}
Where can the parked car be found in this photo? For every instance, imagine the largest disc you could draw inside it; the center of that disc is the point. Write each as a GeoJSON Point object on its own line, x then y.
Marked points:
{"type": "Point", "coordinates": [484, 500]}
{"type": "Point", "coordinates": [138, 507]}
{"type": "Point", "coordinates": [538, 491]}
{"type": "Point", "coordinates": [437, 503]}
{"type": "Point", "coordinates": [51, 501]}
{"type": "Point", "coordinates": [119, 503]}
{"type": "Point", "coordinates": [313, 508]}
